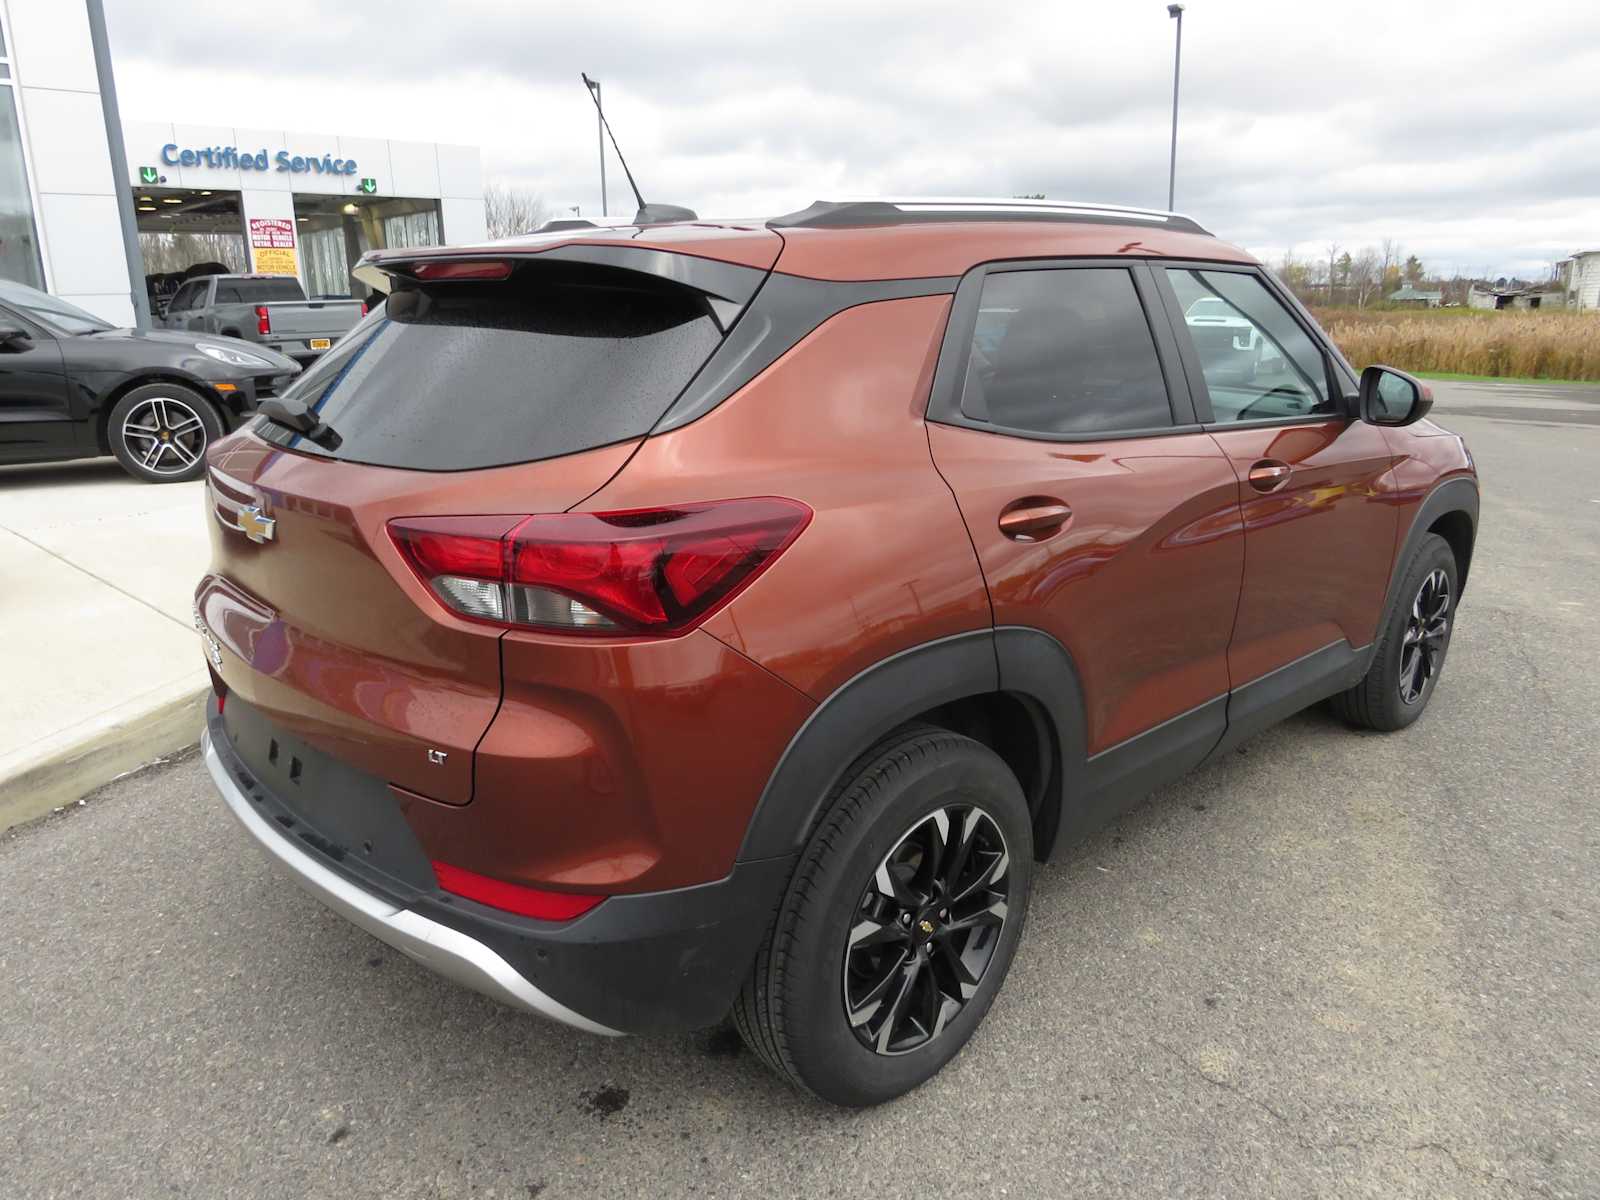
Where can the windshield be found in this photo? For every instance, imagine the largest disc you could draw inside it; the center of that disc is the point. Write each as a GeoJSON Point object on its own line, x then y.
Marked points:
{"type": "Point", "coordinates": [55, 315]}
{"type": "Point", "coordinates": [1209, 306]}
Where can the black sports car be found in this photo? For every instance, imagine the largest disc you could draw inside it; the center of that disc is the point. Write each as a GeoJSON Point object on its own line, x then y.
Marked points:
{"type": "Point", "coordinates": [74, 386]}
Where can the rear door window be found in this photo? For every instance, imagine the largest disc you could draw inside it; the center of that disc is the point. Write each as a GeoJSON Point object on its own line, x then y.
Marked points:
{"type": "Point", "coordinates": [557, 359]}
{"type": "Point", "coordinates": [1064, 352]}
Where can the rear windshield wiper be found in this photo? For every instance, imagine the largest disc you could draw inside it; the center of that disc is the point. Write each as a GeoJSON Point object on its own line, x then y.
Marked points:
{"type": "Point", "coordinates": [295, 416]}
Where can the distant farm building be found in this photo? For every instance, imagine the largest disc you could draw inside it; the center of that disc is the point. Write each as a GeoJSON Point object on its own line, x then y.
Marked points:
{"type": "Point", "coordinates": [1483, 296]}
{"type": "Point", "coordinates": [1580, 280]}
{"type": "Point", "coordinates": [1416, 297]}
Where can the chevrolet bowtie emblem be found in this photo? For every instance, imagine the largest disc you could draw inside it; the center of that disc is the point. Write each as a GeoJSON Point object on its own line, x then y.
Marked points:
{"type": "Point", "coordinates": [256, 527]}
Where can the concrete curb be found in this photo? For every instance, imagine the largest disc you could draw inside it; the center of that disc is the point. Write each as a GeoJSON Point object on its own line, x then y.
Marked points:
{"type": "Point", "coordinates": [63, 773]}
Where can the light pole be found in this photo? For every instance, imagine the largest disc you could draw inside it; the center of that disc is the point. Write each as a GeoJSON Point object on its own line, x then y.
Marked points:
{"type": "Point", "coordinates": [1175, 11]}
{"type": "Point", "coordinates": [600, 130]}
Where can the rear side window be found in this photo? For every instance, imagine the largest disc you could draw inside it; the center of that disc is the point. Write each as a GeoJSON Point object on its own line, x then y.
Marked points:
{"type": "Point", "coordinates": [1065, 351]}
{"type": "Point", "coordinates": [557, 359]}
{"type": "Point", "coordinates": [259, 291]}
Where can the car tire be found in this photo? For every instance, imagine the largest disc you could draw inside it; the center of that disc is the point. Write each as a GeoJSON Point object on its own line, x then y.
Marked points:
{"type": "Point", "coordinates": [1411, 650]}
{"type": "Point", "coordinates": [160, 432]}
{"type": "Point", "coordinates": [874, 908]}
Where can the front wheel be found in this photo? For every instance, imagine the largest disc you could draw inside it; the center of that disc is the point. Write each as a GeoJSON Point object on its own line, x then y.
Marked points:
{"type": "Point", "coordinates": [1411, 646]}
{"type": "Point", "coordinates": [159, 432]}
{"type": "Point", "coordinates": [899, 925]}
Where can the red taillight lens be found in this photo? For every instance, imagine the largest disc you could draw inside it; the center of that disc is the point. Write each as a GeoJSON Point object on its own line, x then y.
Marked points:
{"type": "Point", "coordinates": [645, 572]}
{"type": "Point", "coordinates": [432, 271]}
{"type": "Point", "coordinates": [263, 319]}
{"type": "Point", "coordinates": [513, 897]}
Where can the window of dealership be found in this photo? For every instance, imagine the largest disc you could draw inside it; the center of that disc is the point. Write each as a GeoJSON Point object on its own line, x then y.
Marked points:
{"type": "Point", "coordinates": [19, 238]}
{"type": "Point", "coordinates": [205, 196]}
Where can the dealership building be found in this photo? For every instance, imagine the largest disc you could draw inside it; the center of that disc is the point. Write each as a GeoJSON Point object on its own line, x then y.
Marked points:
{"type": "Point", "coordinates": [205, 196]}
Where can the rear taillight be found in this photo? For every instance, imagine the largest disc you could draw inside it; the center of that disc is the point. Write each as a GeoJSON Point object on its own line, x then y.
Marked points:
{"type": "Point", "coordinates": [657, 571]}
{"type": "Point", "coordinates": [263, 319]}
{"type": "Point", "coordinates": [513, 897]}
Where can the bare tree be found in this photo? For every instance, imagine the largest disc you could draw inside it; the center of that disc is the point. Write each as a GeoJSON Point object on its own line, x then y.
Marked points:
{"type": "Point", "coordinates": [510, 211]}
{"type": "Point", "coordinates": [1389, 280]}
{"type": "Point", "coordinates": [1364, 275]}
{"type": "Point", "coordinates": [1333, 270]}
{"type": "Point", "coordinates": [1294, 274]}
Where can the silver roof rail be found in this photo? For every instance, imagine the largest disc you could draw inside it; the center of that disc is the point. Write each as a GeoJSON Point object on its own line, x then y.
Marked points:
{"type": "Point", "coordinates": [895, 210]}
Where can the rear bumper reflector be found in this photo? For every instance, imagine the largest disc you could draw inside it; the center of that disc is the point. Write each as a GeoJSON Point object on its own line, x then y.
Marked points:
{"type": "Point", "coordinates": [446, 951]}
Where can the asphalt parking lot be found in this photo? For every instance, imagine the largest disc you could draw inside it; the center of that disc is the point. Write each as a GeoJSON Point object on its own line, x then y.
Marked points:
{"type": "Point", "coordinates": [1333, 965]}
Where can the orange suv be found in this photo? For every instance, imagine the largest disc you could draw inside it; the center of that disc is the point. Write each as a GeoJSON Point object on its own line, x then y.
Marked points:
{"type": "Point", "coordinates": [642, 624]}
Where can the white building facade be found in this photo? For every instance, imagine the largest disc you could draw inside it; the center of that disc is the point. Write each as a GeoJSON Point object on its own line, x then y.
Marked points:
{"type": "Point", "coordinates": [205, 195]}
{"type": "Point", "coordinates": [1582, 280]}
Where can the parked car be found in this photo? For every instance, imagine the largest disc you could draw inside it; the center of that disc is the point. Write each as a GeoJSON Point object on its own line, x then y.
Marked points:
{"type": "Point", "coordinates": [75, 386]}
{"type": "Point", "coordinates": [642, 625]}
{"type": "Point", "coordinates": [270, 310]}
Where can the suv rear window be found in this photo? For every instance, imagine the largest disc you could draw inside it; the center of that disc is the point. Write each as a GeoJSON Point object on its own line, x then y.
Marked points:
{"type": "Point", "coordinates": [258, 291]}
{"type": "Point", "coordinates": [557, 359]}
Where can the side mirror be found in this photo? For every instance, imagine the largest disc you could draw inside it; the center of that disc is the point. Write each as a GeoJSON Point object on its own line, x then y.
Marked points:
{"type": "Point", "coordinates": [11, 335]}
{"type": "Point", "coordinates": [1391, 397]}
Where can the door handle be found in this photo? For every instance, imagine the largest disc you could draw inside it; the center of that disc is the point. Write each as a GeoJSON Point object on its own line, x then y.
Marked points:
{"type": "Point", "coordinates": [1269, 475]}
{"type": "Point", "coordinates": [1034, 518]}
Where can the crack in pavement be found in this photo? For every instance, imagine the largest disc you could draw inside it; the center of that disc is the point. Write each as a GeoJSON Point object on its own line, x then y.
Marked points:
{"type": "Point", "coordinates": [1277, 1116]}
{"type": "Point", "coordinates": [1371, 1143]}
{"type": "Point", "coordinates": [1465, 1169]}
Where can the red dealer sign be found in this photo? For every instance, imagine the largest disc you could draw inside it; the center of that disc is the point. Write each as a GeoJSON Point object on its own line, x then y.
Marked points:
{"type": "Point", "coordinates": [272, 232]}
{"type": "Point", "coordinates": [272, 245]}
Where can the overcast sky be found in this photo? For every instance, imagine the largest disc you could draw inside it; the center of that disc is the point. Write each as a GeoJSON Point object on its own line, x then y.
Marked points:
{"type": "Point", "coordinates": [1469, 132]}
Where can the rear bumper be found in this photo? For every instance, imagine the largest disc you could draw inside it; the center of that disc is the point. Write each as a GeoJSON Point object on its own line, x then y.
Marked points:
{"type": "Point", "coordinates": [654, 962]}
{"type": "Point", "coordinates": [446, 951]}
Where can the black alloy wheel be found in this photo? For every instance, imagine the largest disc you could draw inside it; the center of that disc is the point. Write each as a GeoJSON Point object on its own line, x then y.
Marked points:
{"type": "Point", "coordinates": [928, 924]}
{"type": "Point", "coordinates": [901, 920]}
{"type": "Point", "coordinates": [1408, 657]}
{"type": "Point", "coordinates": [1426, 636]}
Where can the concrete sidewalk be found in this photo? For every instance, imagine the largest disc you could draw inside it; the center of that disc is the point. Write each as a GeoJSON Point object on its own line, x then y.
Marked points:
{"type": "Point", "coordinates": [102, 670]}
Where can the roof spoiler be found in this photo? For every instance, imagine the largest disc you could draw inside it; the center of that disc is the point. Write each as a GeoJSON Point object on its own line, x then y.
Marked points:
{"type": "Point", "coordinates": [727, 287]}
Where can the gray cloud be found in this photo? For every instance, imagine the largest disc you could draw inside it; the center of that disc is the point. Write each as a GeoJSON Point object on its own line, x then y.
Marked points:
{"type": "Point", "coordinates": [1465, 130]}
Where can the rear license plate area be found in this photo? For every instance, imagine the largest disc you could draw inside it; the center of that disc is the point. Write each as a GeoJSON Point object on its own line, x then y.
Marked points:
{"type": "Point", "coordinates": [321, 343]}
{"type": "Point", "coordinates": [348, 816]}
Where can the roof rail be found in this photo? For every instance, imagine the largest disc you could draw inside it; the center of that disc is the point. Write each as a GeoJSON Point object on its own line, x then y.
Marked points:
{"type": "Point", "coordinates": [837, 214]}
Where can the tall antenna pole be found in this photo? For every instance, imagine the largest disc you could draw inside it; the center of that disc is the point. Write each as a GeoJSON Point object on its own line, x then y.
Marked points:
{"type": "Point", "coordinates": [1174, 10]}
{"type": "Point", "coordinates": [600, 135]}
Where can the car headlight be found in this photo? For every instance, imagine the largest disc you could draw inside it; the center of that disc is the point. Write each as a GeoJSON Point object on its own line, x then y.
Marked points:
{"type": "Point", "coordinates": [234, 358]}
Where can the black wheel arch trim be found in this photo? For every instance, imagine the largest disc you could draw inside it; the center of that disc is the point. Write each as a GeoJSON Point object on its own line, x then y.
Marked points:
{"type": "Point", "coordinates": [1025, 664]}
{"type": "Point", "coordinates": [850, 720]}
{"type": "Point", "coordinates": [1458, 494]}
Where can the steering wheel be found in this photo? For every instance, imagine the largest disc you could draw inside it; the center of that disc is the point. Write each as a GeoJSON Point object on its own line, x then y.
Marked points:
{"type": "Point", "coordinates": [1302, 406]}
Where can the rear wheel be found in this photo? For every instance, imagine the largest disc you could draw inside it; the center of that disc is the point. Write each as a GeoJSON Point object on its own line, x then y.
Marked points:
{"type": "Point", "coordinates": [1411, 648]}
{"type": "Point", "coordinates": [159, 432]}
{"type": "Point", "coordinates": [899, 925]}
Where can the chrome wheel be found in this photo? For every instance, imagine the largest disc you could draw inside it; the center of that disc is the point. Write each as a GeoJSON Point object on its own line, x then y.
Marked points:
{"type": "Point", "coordinates": [925, 929]}
{"type": "Point", "coordinates": [164, 435]}
{"type": "Point", "coordinates": [1426, 636]}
